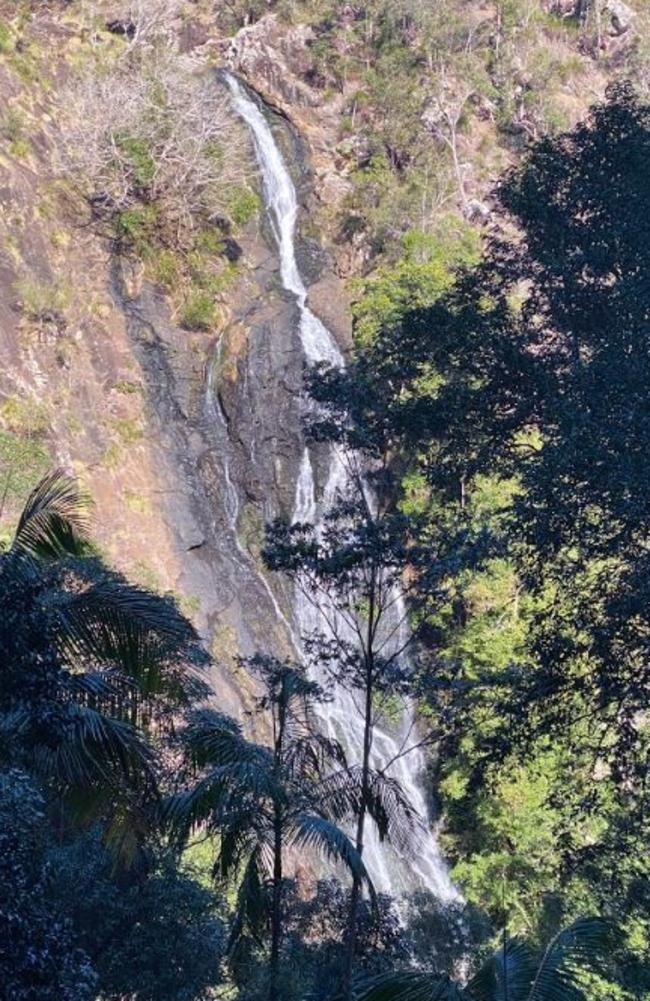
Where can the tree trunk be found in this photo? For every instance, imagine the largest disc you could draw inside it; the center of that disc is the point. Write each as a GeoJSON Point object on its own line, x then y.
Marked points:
{"type": "Point", "coordinates": [276, 909]}
{"type": "Point", "coordinates": [278, 825]}
{"type": "Point", "coordinates": [355, 896]}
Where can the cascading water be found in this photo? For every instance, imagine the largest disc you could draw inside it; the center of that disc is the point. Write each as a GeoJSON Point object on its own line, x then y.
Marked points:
{"type": "Point", "coordinates": [389, 873]}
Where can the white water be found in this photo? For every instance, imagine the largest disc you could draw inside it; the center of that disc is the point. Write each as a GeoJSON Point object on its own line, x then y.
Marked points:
{"type": "Point", "coordinates": [342, 717]}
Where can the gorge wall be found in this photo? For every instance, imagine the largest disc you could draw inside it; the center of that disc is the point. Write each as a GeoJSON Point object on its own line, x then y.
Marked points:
{"type": "Point", "coordinates": [166, 426]}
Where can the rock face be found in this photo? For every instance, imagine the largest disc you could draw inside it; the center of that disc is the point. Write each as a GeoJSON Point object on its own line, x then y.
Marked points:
{"type": "Point", "coordinates": [621, 16]}
{"type": "Point", "coordinates": [274, 60]}
{"type": "Point", "coordinates": [188, 442]}
{"type": "Point", "coordinates": [225, 427]}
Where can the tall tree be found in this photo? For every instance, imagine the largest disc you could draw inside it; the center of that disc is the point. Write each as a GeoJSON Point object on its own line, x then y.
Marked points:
{"type": "Point", "coordinates": [370, 575]}
{"type": "Point", "coordinates": [535, 366]}
{"type": "Point", "coordinates": [261, 800]}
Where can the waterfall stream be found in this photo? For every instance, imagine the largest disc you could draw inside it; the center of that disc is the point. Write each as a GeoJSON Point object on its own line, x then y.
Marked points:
{"type": "Point", "coordinates": [390, 873]}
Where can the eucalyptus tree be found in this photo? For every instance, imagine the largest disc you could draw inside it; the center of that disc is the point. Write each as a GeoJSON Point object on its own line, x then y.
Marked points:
{"type": "Point", "coordinates": [532, 370]}
{"type": "Point", "coordinates": [92, 667]}
{"type": "Point", "coordinates": [262, 800]}
{"type": "Point", "coordinates": [369, 575]}
{"type": "Point", "coordinates": [516, 972]}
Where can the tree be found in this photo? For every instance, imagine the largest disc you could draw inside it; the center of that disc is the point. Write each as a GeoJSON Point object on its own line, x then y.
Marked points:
{"type": "Point", "coordinates": [262, 800]}
{"type": "Point", "coordinates": [365, 569]}
{"type": "Point", "coordinates": [152, 143]}
{"type": "Point", "coordinates": [153, 935]}
{"type": "Point", "coordinates": [516, 972]}
{"type": "Point", "coordinates": [89, 663]}
{"type": "Point", "coordinates": [534, 368]}
{"type": "Point", "coordinates": [38, 955]}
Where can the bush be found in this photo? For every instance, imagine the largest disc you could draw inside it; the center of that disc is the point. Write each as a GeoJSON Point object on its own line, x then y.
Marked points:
{"type": "Point", "coordinates": [151, 130]}
{"type": "Point", "coordinates": [136, 226]}
{"type": "Point", "coordinates": [159, 938]}
{"type": "Point", "coordinates": [243, 205]}
{"type": "Point", "coordinates": [38, 957]}
{"type": "Point", "coordinates": [6, 38]}
{"type": "Point", "coordinates": [199, 312]}
{"type": "Point", "coordinates": [40, 299]}
{"type": "Point", "coordinates": [23, 461]}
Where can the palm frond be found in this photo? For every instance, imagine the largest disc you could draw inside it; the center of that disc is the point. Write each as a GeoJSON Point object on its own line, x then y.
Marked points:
{"type": "Point", "coordinates": [339, 794]}
{"type": "Point", "coordinates": [13, 725]}
{"type": "Point", "coordinates": [407, 986]}
{"type": "Point", "coordinates": [252, 911]}
{"type": "Point", "coordinates": [97, 685]}
{"type": "Point", "coordinates": [484, 985]}
{"type": "Point", "coordinates": [213, 738]}
{"type": "Point", "coordinates": [104, 618]}
{"type": "Point", "coordinates": [237, 841]}
{"type": "Point", "coordinates": [395, 817]}
{"type": "Point", "coordinates": [217, 795]}
{"type": "Point", "coordinates": [54, 521]}
{"type": "Point", "coordinates": [581, 945]}
{"type": "Point", "coordinates": [311, 754]}
{"type": "Point", "coordinates": [509, 973]}
{"type": "Point", "coordinates": [86, 746]}
{"type": "Point", "coordinates": [312, 831]}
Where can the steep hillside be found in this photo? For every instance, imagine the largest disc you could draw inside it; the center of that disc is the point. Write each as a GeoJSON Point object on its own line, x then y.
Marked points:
{"type": "Point", "coordinates": [397, 118]}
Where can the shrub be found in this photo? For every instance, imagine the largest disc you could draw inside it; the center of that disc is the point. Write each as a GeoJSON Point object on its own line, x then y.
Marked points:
{"type": "Point", "coordinates": [136, 227]}
{"type": "Point", "coordinates": [166, 268]}
{"type": "Point", "coordinates": [243, 205]}
{"type": "Point", "coordinates": [20, 149]}
{"type": "Point", "coordinates": [199, 311]}
{"type": "Point", "coordinates": [138, 154]}
{"type": "Point", "coordinates": [24, 416]}
{"type": "Point", "coordinates": [147, 130]}
{"type": "Point", "coordinates": [38, 956]}
{"type": "Point", "coordinates": [6, 38]}
{"type": "Point", "coordinates": [23, 460]}
{"type": "Point", "coordinates": [39, 299]}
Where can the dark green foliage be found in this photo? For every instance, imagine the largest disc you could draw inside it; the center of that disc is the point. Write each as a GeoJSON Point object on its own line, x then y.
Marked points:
{"type": "Point", "coordinates": [515, 972]}
{"type": "Point", "coordinates": [86, 660]}
{"type": "Point", "coordinates": [516, 405]}
{"type": "Point", "coordinates": [94, 672]}
{"type": "Point", "coordinates": [39, 958]}
{"type": "Point", "coordinates": [535, 366]}
{"type": "Point", "coordinates": [157, 937]}
{"type": "Point", "coordinates": [313, 955]}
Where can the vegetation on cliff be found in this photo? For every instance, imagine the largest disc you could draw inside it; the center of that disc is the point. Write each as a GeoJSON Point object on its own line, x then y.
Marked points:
{"type": "Point", "coordinates": [155, 848]}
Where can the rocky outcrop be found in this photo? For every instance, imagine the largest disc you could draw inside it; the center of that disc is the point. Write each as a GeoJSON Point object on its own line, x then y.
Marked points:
{"type": "Point", "coordinates": [621, 16]}
{"type": "Point", "coordinates": [275, 61]}
{"type": "Point", "coordinates": [188, 441]}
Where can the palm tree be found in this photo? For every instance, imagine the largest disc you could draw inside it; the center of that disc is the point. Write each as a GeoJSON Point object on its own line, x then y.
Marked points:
{"type": "Point", "coordinates": [264, 799]}
{"type": "Point", "coordinates": [89, 664]}
{"type": "Point", "coordinates": [517, 972]}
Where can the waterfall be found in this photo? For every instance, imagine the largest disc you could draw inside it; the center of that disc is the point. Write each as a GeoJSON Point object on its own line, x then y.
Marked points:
{"type": "Point", "coordinates": [390, 873]}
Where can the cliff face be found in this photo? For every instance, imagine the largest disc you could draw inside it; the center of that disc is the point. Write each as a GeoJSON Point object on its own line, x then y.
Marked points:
{"type": "Point", "coordinates": [179, 436]}
{"type": "Point", "coordinates": [187, 441]}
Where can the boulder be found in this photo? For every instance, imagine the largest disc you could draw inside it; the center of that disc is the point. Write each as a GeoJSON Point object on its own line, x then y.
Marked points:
{"type": "Point", "coordinates": [621, 16]}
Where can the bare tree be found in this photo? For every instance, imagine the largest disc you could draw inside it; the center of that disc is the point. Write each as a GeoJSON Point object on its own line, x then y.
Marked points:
{"type": "Point", "coordinates": [443, 119]}
{"type": "Point", "coordinates": [152, 129]}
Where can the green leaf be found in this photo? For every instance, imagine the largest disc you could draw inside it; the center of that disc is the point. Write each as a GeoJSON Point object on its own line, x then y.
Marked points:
{"type": "Point", "coordinates": [54, 521]}
{"type": "Point", "coordinates": [407, 986]}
